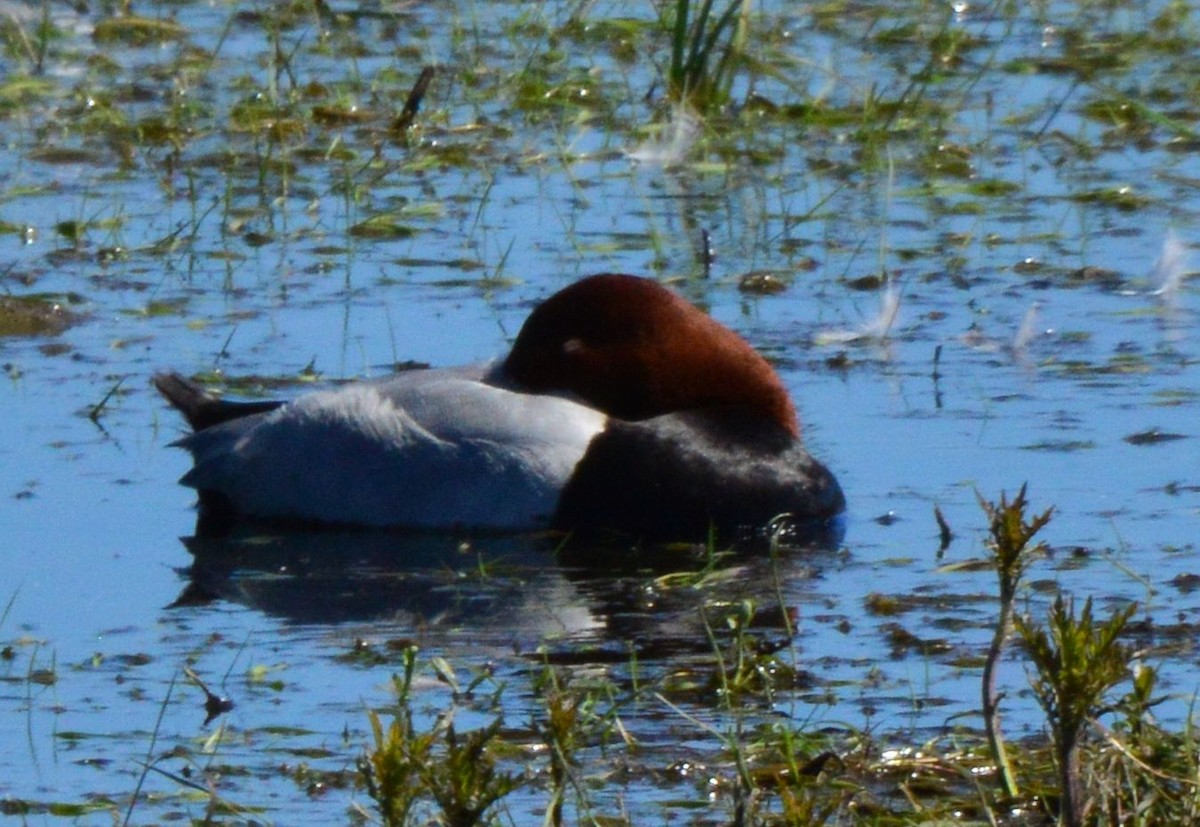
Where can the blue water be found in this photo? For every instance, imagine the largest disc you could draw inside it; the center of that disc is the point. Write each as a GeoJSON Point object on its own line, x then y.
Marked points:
{"type": "Point", "coordinates": [92, 519]}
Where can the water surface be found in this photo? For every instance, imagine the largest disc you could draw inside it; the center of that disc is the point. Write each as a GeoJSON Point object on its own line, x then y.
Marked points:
{"type": "Point", "coordinates": [192, 205]}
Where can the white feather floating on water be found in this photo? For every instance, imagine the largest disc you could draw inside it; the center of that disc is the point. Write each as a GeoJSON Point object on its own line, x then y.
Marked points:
{"type": "Point", "coordinates": [1028, 330]}
{"type": "Point", "coordinates": [877, 329]}
{"type": "Point", "coordinates": [672, 144]}
{"type": "Point", "coordinates": [1171, 266]}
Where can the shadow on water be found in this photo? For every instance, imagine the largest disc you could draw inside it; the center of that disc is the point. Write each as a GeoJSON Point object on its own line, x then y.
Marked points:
{"type": "Point", "coordinates": [536, 587]}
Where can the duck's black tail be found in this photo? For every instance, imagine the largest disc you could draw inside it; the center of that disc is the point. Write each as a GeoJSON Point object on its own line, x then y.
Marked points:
{"type": "Point", "coordinates": [200, 408]}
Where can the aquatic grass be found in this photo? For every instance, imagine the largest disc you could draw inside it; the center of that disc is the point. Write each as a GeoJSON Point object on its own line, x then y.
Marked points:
{"type": "Point", "coordinates": [574, 716]}
{"type": "Point", "coordinates": [408, 768]}
{"type": "Point", "coordinates": [750, 666]}
{"type": "Point", "coordinates": [100, 408]}
{"type": "Point", "coordinates": [33, 46]}
{"type": "Point", "coordinates": [12, 599]}
{"type": "Point", "coordinates": [36, 675]}
{"type": "Point", "coordinates": [747, 671]}
{"type": "Point", "coordinates": [561, 734]}
{"type": "Point", "coordinates": [148, 762]}
{"type": "Point", "coordinates": [390, 773]}
{"type": "Point", "coordinates": [471, 785]}
{"type": "Point", "coordinates": [706, 51]}
{"type": "Point", "coordinates": [1143, 768]}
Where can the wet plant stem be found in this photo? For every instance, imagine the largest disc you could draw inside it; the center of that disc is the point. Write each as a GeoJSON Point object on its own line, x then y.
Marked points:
{"type": "Point", "coordinates": [991, 699]}
{"type": "Point", "coordinates": [98, 409]}
{"type": "Point", "coordinates": [8, 606]}
{"type": "Point", "coordinates": [149, 762]}
{"type": "Point", "coordinates": [1010, 535]}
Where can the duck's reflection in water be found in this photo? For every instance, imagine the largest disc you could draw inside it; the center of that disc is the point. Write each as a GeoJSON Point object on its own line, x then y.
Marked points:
{"type": "Point", "coordinates": [533, 588]}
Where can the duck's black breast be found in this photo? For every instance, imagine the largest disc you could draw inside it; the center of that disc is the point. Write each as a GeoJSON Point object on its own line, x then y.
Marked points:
{"type": "Point", "coordinates": [674, 477]}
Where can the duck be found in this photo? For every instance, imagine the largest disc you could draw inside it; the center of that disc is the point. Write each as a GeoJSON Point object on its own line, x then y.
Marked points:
{"type": "Point", "coordinates": [621, 407]}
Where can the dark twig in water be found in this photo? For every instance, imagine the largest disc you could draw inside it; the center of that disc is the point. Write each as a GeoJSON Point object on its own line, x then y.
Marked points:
{"type": "Point", "coordinates": [946, 535]}
{"type": "Point", "coordinates": [214, 704]}
{"type": "Point", "coordinates": [707, 254]}
{"type": "Point", "coordinates": [99, 407]}
{"type": "Point", "coordinates": [413, 104]}
{"type": "Point", "coordinates": [936, 376]}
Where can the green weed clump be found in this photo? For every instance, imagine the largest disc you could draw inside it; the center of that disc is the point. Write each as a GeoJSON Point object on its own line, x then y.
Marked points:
{"type": "Point", "coordinates": [1078, 660]}
{"type": "Point", "coordinates": [574, 718]}
{"type": "Point", "coordinates": [1134, 768]}
{"type": "Point", "coordinates": [707, 48]}
{"type": "Point", "coordinates": [409, 768]}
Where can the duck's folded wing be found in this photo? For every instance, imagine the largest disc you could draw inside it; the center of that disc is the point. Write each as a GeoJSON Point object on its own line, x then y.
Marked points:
{"type": "Point", "coordinates": [422, 450]}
